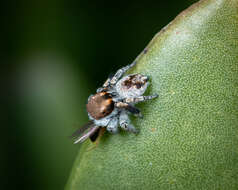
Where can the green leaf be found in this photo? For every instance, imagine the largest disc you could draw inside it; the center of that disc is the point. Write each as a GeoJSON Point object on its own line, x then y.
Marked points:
{"type": "Point", "coordinates": [189, 135]}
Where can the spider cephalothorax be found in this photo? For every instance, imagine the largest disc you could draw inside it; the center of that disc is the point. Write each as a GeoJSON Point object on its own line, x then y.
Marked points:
{"type": "Point", "coordinates": [112, 103]}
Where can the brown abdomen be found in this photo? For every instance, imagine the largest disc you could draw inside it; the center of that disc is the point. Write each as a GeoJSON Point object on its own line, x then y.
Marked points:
{"type": "Point", "coordinates": [100, 105]}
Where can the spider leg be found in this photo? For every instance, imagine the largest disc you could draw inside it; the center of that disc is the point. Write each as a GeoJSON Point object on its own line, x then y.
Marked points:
{"type": "Point", "coordinates": [86, 134]}
{"type": "Point", "coordinates": [106, 84]}
{"type": "Point", "coordinates": [93, 137]}
{"type": "Point", "coordinates": [132, 109]}
{"type": "Point", "coordinates": [112, 79]}
{"type": "Point", "coordinates": [125, 123]}
{"type": "Point", "coordinates": [96, 142]}
{"type": "Point", "coordinates": [113, 125]}
{"type": "Point", "coordinates": [140, 99]}
{"type": "Point", "coordinates": [120, 72]}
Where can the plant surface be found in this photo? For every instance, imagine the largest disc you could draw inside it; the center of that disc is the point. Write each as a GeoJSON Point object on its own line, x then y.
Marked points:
{"type": "Point", "coordinates": [189, 135]}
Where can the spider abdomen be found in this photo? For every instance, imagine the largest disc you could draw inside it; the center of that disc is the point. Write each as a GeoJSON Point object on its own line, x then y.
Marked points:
{"type": "Point", "coordinates": [100, 105]}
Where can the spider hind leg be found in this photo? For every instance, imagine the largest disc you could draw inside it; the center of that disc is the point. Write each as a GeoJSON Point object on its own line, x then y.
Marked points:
{"type": "Point", "coordinates": [125, 123]}
{"type": "Point", "coordinates": [96, 140]}
{"type": "Point", "coordinates": [95, 135]}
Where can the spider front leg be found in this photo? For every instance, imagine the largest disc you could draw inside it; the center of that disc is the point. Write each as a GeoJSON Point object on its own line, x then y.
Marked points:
{"type": "Point", "coordinates": [140, 99]}
{"type": "Point", "coordinates": [125, 123]}
{"type": "Point", "coordinates": [113, 80]}
{"type": "Point", "coordinates": [120, 72]}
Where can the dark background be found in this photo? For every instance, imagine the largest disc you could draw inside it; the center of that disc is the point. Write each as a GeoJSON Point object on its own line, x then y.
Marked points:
{"type": "Point", "coordinates": [54, 54]}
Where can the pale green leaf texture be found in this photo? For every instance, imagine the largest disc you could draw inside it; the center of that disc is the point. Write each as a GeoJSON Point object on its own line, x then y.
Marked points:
{"type": "Point", "coordinates": [189, 135]}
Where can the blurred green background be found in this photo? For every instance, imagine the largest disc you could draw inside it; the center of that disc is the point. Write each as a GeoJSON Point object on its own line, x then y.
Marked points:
{"type": "Point", "coordinates": [54, 55]}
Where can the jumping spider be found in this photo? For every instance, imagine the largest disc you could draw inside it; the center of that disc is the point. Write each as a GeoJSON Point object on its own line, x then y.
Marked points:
{"type": "Point", "coordinates": [113, 102]}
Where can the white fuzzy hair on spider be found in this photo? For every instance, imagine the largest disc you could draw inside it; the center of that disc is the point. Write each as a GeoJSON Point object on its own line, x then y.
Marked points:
{"type": "Point", "coordinates": [110, 107]}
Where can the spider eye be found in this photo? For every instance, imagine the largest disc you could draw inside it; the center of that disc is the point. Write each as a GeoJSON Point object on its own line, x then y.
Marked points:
{"type": "Point", "coordinates": [139, 85]}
